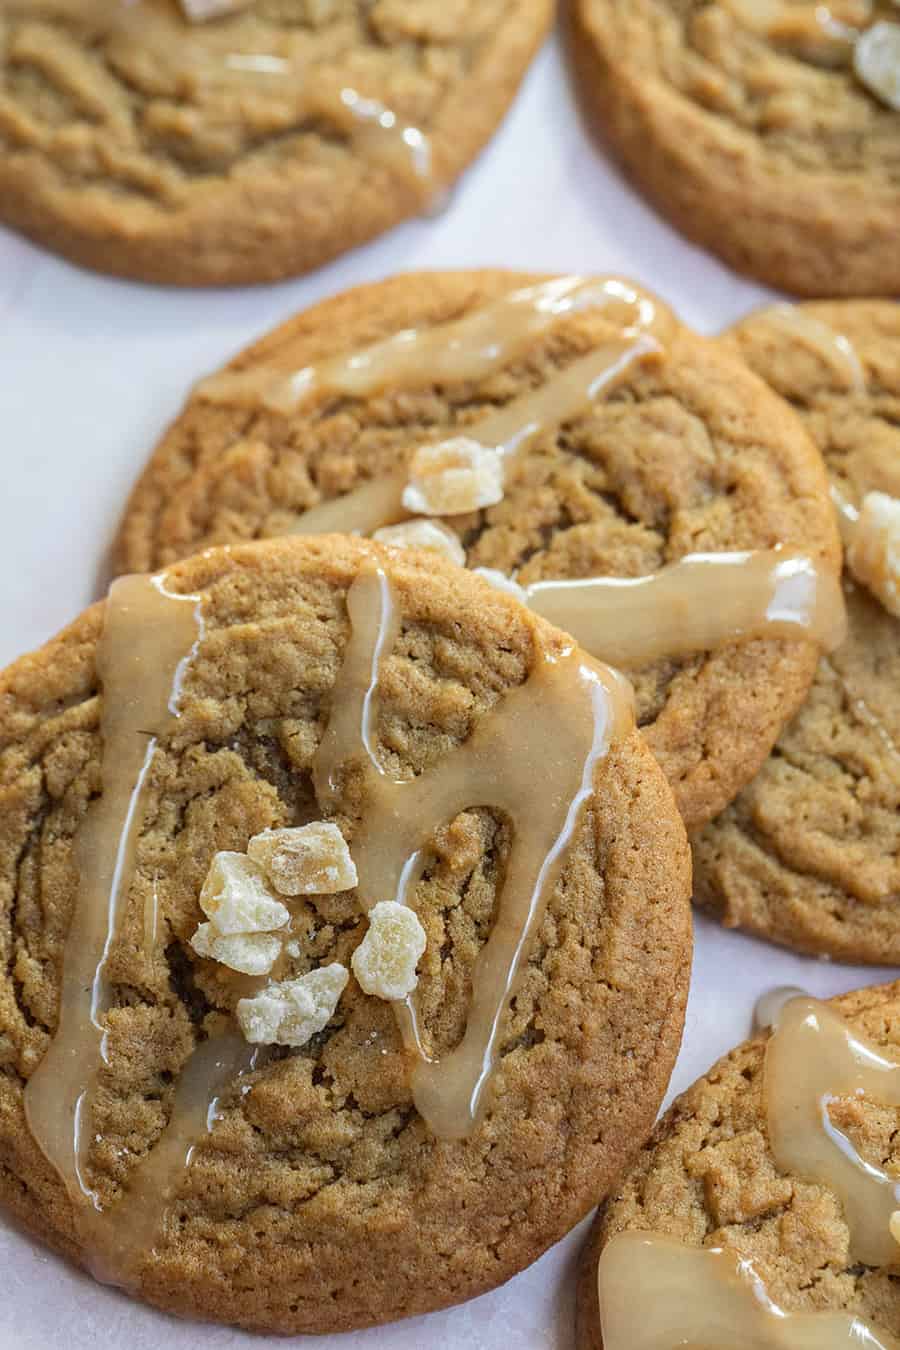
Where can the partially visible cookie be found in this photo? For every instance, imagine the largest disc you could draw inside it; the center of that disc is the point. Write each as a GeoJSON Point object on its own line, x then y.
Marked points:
{"type": "Point", "coordinates": [809, 853]}
{"type": "Point", "coordinates": [708, 1178]}
{"type": "Point", "coordinates": [251, 147]}
{"type": "Point", "coordinates": [749, 127]}
{"type": "Point", "coordinates": [317, 1198]}
{"type": "Point", "coordinates": [683, 452]}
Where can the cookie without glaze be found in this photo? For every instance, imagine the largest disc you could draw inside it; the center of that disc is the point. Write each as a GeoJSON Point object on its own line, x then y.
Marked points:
{"type": "Point", "coordinates": [321, 1202]}
{"type": "Point", "coordinates": [763, 147]}
{"type": "Point", "coordinates": [809, 853]}
{"type": "Point", "coordinates": [690, 455]}
{"type": "Point", "coordinates": [134, 142]}
{"type": "Point", "coordinates": [707, 1177]}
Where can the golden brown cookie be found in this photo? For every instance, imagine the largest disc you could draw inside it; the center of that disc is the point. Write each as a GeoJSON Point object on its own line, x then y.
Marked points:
{"type": "Point", "coordinates": [251, 147]}
{"type": "Point", "coordinates": [748, 127]}
{"type": "Point", "coordinates": [708, 1178]}
{"type": "Point", "coordinates": [321, 1200]}
{"type": "Point", "coordinates": [686, 453]}
{"type": "Point", "coordinates": [809, 853]}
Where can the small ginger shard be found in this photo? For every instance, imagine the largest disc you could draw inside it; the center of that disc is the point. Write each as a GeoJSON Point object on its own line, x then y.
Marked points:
{"type": "Point", "coordinates": [198, 11]}
{"type": "Point", "coordinates": [425, 534]}
{"type": "Point", "coordinates": [873, 554]}
{"type": "Point", "coordinates": [249, 953]}
{"type": "Point", "coordinates": [453, 477]}
{"type": "Point", "coordinates": [292, 1012]}
{"type": "Point", "coordinates": [876, 61]}
{"type": "Point", "coordinates": [385, 961]}
{"type": "Point", "coordinates": [236, 899]}
{"type": "Point", "coordinates": [307, 860]}
{"type": "Point", "coordinates": [501, 582]}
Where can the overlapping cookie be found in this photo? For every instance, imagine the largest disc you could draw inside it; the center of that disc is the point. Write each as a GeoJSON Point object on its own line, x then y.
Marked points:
{"type": "Point", "coordinates": [641, 488]}
{"type": "Point", "coordinates": [809, 853]}
{"type": "Point", "coordinates": [765, 129]}
{"type": "Point", "coordinates": [764, 1211]}
{"type": "Point", "coordinates": [346, 935]}
{"type": "Point", "coordinates": [250, 147]}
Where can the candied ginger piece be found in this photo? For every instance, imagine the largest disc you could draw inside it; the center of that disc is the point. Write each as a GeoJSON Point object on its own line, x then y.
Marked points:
{"type": "Point", "coordinates": [236, 899]}
{"type": "Point", "coordinates": [292, 1012]}
{"type": "Point", "coordinates": [427, 534]}
{"type": "Point", "coordinates": [385, 961]}
{"type": "Point", "coordinates": [250, 953]}
{"type": "Point", "coordinates": [453, 477]}
{"type": "Point", "coordinates": [873, 554]}
{"type": "Point", "coordinates": [307, 860]}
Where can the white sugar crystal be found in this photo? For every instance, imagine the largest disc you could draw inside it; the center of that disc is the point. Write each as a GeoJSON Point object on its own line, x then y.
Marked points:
{"type": "Point", "coordinates": [385, 961]}
{"type": "Point", "coordinates": [501, 582]}
{"type": "Point", "coordinates": [250, 953]}
{"type": "Point", "coordinates": [291, 1012]}
{"type": "Point", "coordinates": [427, 534]}
{"type": "Point", "coordinates": [873, 554]}
{"type": "Point", "coordinates": [453, 477]}
{"type": "Point", "coordinates": [307, 860]}
{"type": "Point", "coordinates": [236, 899]}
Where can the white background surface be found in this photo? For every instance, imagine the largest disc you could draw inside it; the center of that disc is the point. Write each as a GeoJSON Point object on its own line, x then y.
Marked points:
{"type": "Point", "coordinates": [91, 370]}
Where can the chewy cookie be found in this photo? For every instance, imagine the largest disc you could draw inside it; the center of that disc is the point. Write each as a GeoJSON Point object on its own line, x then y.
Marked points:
{"type": "Point", "coordinates": [251, 147]}
{"type": "Point", "coordinates": [741, 1170]}
{"type": "Point", "coordinates": [809, 853]}
{"type": "Point", "coordinates": [240, 740]}
{"type": "Point", "coordinates": [637, 443]}
{"type": "Point", "coordinates": [766, 131]}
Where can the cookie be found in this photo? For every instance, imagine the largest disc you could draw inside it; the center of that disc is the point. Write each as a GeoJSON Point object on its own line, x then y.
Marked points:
{"type": "Point", "coordinates": [634, 443]}
{"type": "Point", "coordinates": [252, 147]}
{"type": "Point", "coordinates": [194, 775]}
{"type": "Point", "coordinates": [809, 853]}
{"type": "Point", "coordinates": [740, 1169]}
{"type": "Point", "coordinates": [749, 126]}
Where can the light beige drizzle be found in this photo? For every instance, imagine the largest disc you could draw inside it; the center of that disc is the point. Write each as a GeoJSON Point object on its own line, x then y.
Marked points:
{"type": "Point", "coordinates": [697, 604]}
{"type": "Point", "coordinates": [470, 348]}
{"type": "Point", "coordinates": [836, 350]}
{"type": "Point", "coordinates": [813, 1058]}
{"type": "Point", "coordinates": [554, 728]}
{"type": "Point", "coordinates": [511, 430]}
{"type": "Point", "coordinates": [708, 1298]}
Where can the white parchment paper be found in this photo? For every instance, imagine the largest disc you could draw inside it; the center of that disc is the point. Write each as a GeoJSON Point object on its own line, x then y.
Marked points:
{"type": "Point", "coordinates": [92, 369]}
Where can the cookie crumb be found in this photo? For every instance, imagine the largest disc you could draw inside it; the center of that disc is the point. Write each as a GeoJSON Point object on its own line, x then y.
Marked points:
{"type": "Point", "coordinates": [501, 582]}
{"type": "Point", "coordinates": [873, 554]}
{"type": "Point", "coordinates": [249, 953]}
{"type": "Point", "coordinates": [453, 477]}
{"type": "Point", "coordinates": [307, 860]}
{"type": "Point", "coordinates": [427, 534]}
{"type": "Point", "coordinates": [876, 60]}
{"type": "Point", "coordinates": [292, 1012]}
{"type": "Point", "coordinates": [385, 961]}
{"type": "Point", "coordinates": [236, 899]}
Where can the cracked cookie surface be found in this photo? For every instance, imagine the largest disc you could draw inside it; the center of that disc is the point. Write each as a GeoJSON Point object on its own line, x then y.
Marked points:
{"type": "Point", "coordinates": [690, 455]}
{"type": "Point", "coordinates": [809, 853]}
{"type": "Point", "coordinates": [245, 149]}
{"type": "Point", "coordinates": [707, 1177]}
{"type": "Point", "coordinates": [748, 128]}
{"type": "Point", "coordinates": [320, 1200]}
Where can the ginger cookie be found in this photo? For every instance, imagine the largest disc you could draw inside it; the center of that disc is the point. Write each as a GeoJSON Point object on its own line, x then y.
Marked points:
{"type": "Point", "coordinates": [251, 147]}
{"type": "Point", "coordinates": [809, 853]}
{"type": "Point", "coordinates": [545, 430]}
{"type": "Point", "coordinates": [761, 1210]}
{"type": "Point", "coordinates": [767, 132]}
{"type": "Point", "coordinates": [347, 932]}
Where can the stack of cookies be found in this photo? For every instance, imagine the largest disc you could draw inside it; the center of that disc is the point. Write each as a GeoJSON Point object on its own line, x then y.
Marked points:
{"type": "Point", "coordinates": [465, 628]}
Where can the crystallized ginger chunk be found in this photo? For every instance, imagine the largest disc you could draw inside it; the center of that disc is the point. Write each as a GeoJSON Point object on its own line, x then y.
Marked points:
{"type": "Point", "coordinates": [200, 10]}
{"type": "Point", "coordinates": [308, 860]}
{"type": "Point", "coordinates": [501, 582]}
{"type": "Point", "coordinates": [427, 534]}
{"type": "Point", "coordinates": [876, 60]}
{"type": "Point", "coordinates": [453, 477]}
{"type": "Point", "coordinates": [250, 953]}
{"type": "Point", "coordinates": [385, 961]}
{"type": "Point", "coordinates": [236, 899]}
{"type": "Point", "coordinates": [292, 1012]}
{"type": "Point", "coordinates": [873, 554]}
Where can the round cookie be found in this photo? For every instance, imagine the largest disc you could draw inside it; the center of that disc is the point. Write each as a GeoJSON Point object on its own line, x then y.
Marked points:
{"type": "Point", "coordinates": [809, 853]}
{"type": "Point", "coordinates": [748, 128]}
{"type": "Point", "coordinates": [321, 1201]}
{"type": "Point", "coordinates": [252, 147]}
{"type": "Point", "coordinates": [707, 1177]}
{"type": "Point", "coordinates": [692, 454]}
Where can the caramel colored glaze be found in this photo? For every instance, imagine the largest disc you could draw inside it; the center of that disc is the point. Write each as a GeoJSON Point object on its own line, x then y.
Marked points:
{"type": "Point", "coordinates": [707, 1298]}
{"type": "Point", "coordinates": [470, 348]}
{"type": "Point", "coordinates": [697, 604]}
{"type": "Point", "coordinates": [525, 738]}
{"type": "Point", "coordinates": [813, 1058]}
{"type": "Point", "coordinates": [511, 430]}
{"type": "Point", "coordinates": [835, 350]}
{"type": "Point", "coordinates": [148, 640]}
